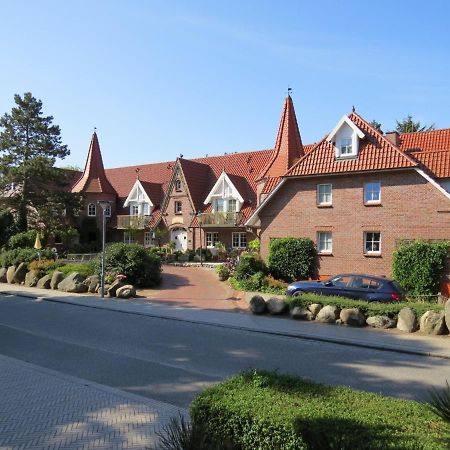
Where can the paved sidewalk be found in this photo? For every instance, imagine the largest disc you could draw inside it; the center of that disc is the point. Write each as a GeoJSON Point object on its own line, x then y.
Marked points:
{"type": "Point", "coordinates": [392, 340]}
{"type": "Point", "coordinates": [43, 409]}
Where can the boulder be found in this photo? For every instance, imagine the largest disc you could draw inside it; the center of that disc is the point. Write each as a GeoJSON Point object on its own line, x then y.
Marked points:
{"type": "Point", "coordinates": [381, 322]}
{"type": "Point", "coordinates": [328, 314]}
{"type": "Point", "coordinates": [433, 323]}
{"type": "Point", "coordinates": [73, 283]}
{"type": "Point", "coordinates": [315, 308]}
{"type": "Point", "coordinates": [20, 273]}
{"type": "Point", "coordinates": [31, 278]}
{"type": "Point", "coordinates": [92, 282]}
{"type": "Point", "coordinates": [447, 314]}
{"type": "Point", "coordinates": [275, 306]}
{"type": "Point", "coordinates": [10, 274]}
{"type": "Point", "coordinates": [127, 291]}
{"type": "Point", "coordinates": [297, 312]}
{"type": "Point", "coordinates": [407, 320]}
{"type": "Point", "coordinates": [257, 305]}
{"type": "Point", "coordinates": [44, 282]}
{"type": "Point", "coordinates": [111, 291]}
{"type": "Point", "coordinates": [57, 277]}
{"type": "Point", "coordinates": [353, 317]}
{"type": "Point", "coordinates": [3, 271]}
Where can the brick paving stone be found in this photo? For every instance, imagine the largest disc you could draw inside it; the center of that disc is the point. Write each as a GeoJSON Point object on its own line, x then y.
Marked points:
{"type": "Point", "coordinates": [42, 409]}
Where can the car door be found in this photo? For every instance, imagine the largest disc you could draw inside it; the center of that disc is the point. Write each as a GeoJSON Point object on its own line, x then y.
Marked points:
{"type": "Point", "coordinates": [338, 285]}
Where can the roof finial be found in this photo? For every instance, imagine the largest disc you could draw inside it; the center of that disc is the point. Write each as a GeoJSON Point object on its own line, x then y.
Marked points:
{"type": "Point", "coordinates": [353, 108]}
{"type": "Point", "coordinates": [137, 170]}
{"type": "Point", "coordinates": [289, 90]}
{"type": "Point", "coordinates": [95, 129]}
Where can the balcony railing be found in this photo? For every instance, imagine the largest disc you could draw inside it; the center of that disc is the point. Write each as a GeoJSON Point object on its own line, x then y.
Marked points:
{"type": "Point", "coordinates": [219, 219]}
{"type": "Point", "coordinates": [135, 222]}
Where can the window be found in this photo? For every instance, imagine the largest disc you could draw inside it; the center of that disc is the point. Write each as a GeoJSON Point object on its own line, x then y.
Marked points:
{"type": "Point", "coordinates": [372, 243]}
{"type": "Point", "coordinates": [324, 194]}
{"type": "Point", "coordinates": [211, 238]}
{"type": "Point", "coordinates": [92, 210]}
{"type": "Point", "coordinates": [148, 239]}
{"type": "Point", "coordinates": [239, 240]}
{"type": "Point", "coordinates": [108, 211]}
{"type": "Point", "coordinates": [231, 205]}
{"type": "Point", "coordinates": [346, 146]}
{"type": "Point", "coordinates": [324, 242]}
{"type": "Point", "coordinates": [128, 238]}
{"type": "Point", "coordinates": [178, 207]}
{"type": "Point", "coordinates": [177, 185]}
{"type": "Point", "coordinates": [372, 193]}
{"type": "Point", "coordinates": [219, 205]}
{"type": "Point", "coordinates": [134, 210]}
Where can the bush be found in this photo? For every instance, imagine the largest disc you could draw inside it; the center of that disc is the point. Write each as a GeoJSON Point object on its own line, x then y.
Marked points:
{"type": "Point", "coordinates": [25, 255]}
{"type": "Point", "coordinates": [419, 266]}
{"type": "Point", "coordinates": [141, 267]}
{"type": "Point", "coordinates": [249, 264]}
{"type": "Point", "coordinates": [291, 258]}
{"type": "Point", "coordinates": [26, 239]}
{"type": "Point", "coordinates": [44, 266]}
{"type": "Point", "coordinates": [84, 269]}
{"type": "Point", "coordinates": [265, 410]}
{"type": "Point", "coordinates": [255, 245]}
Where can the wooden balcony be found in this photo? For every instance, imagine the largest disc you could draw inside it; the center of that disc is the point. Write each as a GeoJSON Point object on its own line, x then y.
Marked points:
{"type": "Point", "coordinates": [134, 222]}
{"type": "Point", "coordinates": [220, 219]}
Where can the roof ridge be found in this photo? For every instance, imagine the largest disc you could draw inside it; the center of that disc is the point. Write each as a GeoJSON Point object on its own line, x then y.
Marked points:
{"type": "Point", "coordinates": [425, 131]}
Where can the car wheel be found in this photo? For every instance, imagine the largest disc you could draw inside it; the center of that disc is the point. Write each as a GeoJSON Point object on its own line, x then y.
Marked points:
{"type": "Point", "coordinates": [297, 294]}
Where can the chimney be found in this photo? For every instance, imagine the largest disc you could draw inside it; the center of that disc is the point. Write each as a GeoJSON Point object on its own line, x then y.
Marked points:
{"type": "Point", "coordinates": [393, 137]}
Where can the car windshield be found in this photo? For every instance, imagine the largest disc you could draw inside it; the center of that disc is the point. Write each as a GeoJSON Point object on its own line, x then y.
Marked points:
{"type": "Point", "coordinates": [340, 280]}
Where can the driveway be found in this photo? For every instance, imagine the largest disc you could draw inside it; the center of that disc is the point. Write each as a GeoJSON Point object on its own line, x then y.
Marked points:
{"type": "Point", "coordinates": [195, 287]}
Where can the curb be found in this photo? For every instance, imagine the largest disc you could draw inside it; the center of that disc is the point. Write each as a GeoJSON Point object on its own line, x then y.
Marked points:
{"type": "Point", "coordinates": [299, 335]}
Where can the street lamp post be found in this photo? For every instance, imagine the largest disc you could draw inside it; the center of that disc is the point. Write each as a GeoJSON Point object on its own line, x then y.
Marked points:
{"type": "Point", "coordinates": [201, 242]}
{"type": "Point", "coordinates": [104, 205]}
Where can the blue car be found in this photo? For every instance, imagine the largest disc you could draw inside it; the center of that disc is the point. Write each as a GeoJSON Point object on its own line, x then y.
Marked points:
{"type": "Point", "coordinates": [355, 286]}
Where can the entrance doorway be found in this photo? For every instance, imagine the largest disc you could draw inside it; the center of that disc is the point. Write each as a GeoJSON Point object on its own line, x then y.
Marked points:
{"type": "Point", "coordinates": [179, 236]}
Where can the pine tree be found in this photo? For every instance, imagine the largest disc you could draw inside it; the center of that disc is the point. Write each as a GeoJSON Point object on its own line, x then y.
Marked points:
{"type": "Point", "coordinates": [29, 146]}
{"type": "Point", "coordinates": [407, 125]}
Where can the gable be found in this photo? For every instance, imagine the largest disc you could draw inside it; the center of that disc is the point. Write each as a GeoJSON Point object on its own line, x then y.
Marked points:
{"type": "Point", "coordinates": [137, 195]}
{"type": "Point", "coordinates": [224, 188]}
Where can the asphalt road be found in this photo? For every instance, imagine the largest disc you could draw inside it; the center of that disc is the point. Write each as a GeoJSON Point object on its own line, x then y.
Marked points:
{"type": "Point", "coordinates": [173, 361]}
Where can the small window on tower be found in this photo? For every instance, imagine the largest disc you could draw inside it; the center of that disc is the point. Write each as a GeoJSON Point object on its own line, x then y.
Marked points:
{"type": "Point", "coordinates": [178, 186]}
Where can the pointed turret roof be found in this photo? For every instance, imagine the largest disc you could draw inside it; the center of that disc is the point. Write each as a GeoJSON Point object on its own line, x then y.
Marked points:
{"type": "Point", "coordinates": [94, 177]}
{"type": "Point", "coordinates": [288, 147]}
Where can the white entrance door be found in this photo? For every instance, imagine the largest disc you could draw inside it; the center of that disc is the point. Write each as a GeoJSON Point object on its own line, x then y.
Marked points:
{"type": "Point", "coordinates": [180, 237]}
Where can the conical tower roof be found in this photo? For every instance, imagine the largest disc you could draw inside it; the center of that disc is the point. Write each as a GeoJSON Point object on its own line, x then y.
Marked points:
{"type": "Point", "coordinates": [94, 178]}
{"type": "Point", "coordinates": [288, 147]}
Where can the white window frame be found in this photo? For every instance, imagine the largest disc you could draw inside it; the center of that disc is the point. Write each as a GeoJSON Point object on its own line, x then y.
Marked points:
{"type": "Point", "coordinates": [148, 238]}
{"type": "Point", "coordinates": [369, 190]}
{"type": "Point", "coordinates": [231, 205]}
{"type": "Point", "coordinates": [372, 242]}
{"type": "Point", "coordinates": [134, 209]}
{"type": "Point", "coordinates": [178, 207]}
{"type": "Point", "coordinates": [324, 242]}
{"type": "Point", "coordinates": [320, 201]}
{"type": "Point", "coordinates": [346, 146]}
{"type": "Point", "coordinates": [211, 237]}
{"type": "Point", "coordinates": [108, 211]}
{"type": "Point", "coordinates": [239, 238]}
{"type": "Point", "coordinates": [92, 210]}
{"type": "Point", "coordinates": [178, 185]}
{"type": "Point", "coordinates": [128, 238]}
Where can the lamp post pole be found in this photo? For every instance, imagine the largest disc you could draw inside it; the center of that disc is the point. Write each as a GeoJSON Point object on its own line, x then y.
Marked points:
{"type": "Point", "coordinates": [104, 205]}
{"type": "Point", "coordinates": [201, 242]}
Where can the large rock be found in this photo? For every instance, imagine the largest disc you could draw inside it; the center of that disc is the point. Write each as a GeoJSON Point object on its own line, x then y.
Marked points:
{"type": "Point", "coordinates": [381, 322]}
{"type": "Point", "coordinates": [257, 305]}
{"type": "Point", "coordinates": [111, 291]}
{"type": "Point", "coordinates": [447, 313]}
{"type": "Point", "coordinates": [276, 305]}
{"type": "Point", "coordinates": [3, 271]}
{"type": "Point", "coordinates": [407, 320]}
{"type": "Point", "coordinates": [353, 317]}
{"type": "Point", "coordinates": [92, 282]}
{"type": "Point", "coordinates": [44, 282]}
{"type": "Point", "coordinates": [57, 277]}
{"type": "Point", "coordinates": [127, 291]}
{"type": "Point", "coordinates": [20, 273]}
{"type": "Point", "coordinates": [315, 308]}
{"type": "Point", "coordinates": [433, 323]}
{"type": "Point", "coordinates": [73, 283]}
{"type": "Point", "coordinates": [31, 278]}
{"type": "Point", "coordinates": [10, 274]}
{"type": "Point", "coordinates": [328, 314]}
{"type": "Point", "coordinates": [297, 312]}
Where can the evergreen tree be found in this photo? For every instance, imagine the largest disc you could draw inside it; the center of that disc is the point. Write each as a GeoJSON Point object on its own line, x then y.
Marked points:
{"type": "Point", "coordinates": [407, 125]}
{"type": "Point", "coordinates": [376, 125]}
{"type": "Point", "coordinates": [29, 146]}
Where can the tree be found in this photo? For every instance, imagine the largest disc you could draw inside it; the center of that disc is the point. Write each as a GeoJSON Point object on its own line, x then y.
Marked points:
{"type": "Point", "coordinates": [407, 125]}
{"type": "Point", "coordinates": [376, 125]}
{"type": "Point", "coordinates": [29, 146]}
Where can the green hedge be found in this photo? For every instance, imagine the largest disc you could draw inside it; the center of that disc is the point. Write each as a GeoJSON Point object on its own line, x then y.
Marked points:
{"type": "Point", "coordinates": [265, 410]}
{"type": "Point", "coordinates": [84, 269]}
{"type": "Point", "coordinates": [291, 258]}
{"type": "Point", "coordinates": [368, 309]}
{"type": "Point", "coordinates": [26, 255]}
{"type": "Point", "coordinates": [249, 264]}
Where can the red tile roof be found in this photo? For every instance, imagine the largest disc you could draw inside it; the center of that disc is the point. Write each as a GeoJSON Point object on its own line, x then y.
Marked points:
{"type": "Point", "coordinates": [375, 153]}
{"type": "Point", "coordinates": [93, 178]}
{"type": "Point", "coordinates": [426, 140]}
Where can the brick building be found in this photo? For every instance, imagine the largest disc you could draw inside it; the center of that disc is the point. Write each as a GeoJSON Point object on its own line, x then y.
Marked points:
{"type": "Point", "coordinates": [356, 193]}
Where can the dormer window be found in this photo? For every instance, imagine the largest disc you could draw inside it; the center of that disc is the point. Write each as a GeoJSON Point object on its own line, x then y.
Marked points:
{"type": "Point", "coordinates": [224, 197]}
{"type": "Point", "coordinates": [346, 146]}
{"type": "Point", "coordinates": [225, 205]}
{"type": "Point", "coordinates": [134, 210]}
{"type": "Point", "coordinates": [138, 201]}
{"type": "Point", "coordinates": [345, 138]}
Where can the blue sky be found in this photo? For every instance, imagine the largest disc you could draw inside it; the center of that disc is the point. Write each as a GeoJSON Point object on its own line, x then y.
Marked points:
{"type": "Point", "coordinates": [160, 78]}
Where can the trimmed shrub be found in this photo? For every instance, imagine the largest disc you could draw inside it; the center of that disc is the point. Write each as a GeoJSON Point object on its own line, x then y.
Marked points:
{"type": "Point", "coordinates": [141, 267]}
{"type": "Point", "coordinates": [265, 410]}
{"type": "Point", "coordinates": [419, 266]}
{"type": "Point", "coordinates": [26, 239]}
{"type": "Point", "coordinates": [44, 266]}
{"type": "Point", "coordinates": [26, 255]}
{"type": "Point", "coordinates": [249, 264]}
{"type": "Point", "coordinates": [84, 269]}
{"type": "Point", "coordinates": [291, 258]}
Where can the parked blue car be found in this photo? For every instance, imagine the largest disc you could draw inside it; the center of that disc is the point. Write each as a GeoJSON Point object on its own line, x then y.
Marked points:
{"type": "Point", "coordinates": [355, 286]}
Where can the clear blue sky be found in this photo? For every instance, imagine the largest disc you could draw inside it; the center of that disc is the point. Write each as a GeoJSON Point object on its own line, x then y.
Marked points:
{"type": "Point", "coordinates": [160, 78]}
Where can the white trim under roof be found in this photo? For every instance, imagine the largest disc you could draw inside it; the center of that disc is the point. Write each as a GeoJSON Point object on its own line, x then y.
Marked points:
{"type": "Point", "coordinates": [344, 119]}
{"type": "Point", "coordinates": [218, 190]}
{"type": "Point", "coordinates": [137, 194]}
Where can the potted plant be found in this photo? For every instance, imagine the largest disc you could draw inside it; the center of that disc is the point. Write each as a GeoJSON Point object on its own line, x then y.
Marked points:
{"type": "Point", "coordinates": [222, 272]}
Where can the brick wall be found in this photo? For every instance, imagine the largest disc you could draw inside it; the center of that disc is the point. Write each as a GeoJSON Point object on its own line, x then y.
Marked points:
{"type": "Point", "coordinates": [409, 209]}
